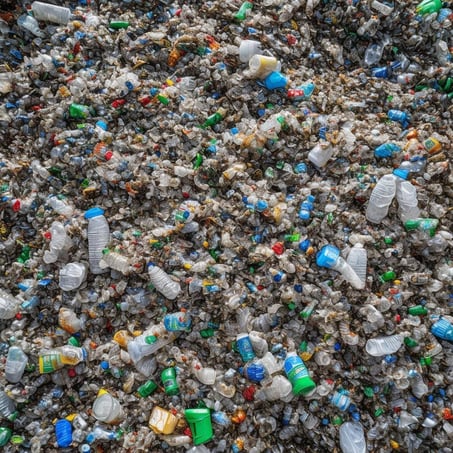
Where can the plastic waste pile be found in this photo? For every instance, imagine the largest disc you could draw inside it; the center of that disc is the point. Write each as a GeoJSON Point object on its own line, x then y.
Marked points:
{"type": "Point", "coordinates": [226, 227]}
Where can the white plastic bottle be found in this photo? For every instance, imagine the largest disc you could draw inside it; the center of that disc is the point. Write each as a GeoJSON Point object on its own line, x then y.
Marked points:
{"type": "Point", "coordinates": [9, 305]}
{"type": "Point", "coordinates": [406, 194]}
{"type": "Point", "coordinates": [163, 283]}
{"type": "Point", "coordinates": [72, 275]}
{"type": "Point", "coordinates": [384, 345]}
{"type": "Point", "coordinates": [98, 238]}
{"type": "Point", "coordinates": [358, 260]}
{"type": "Point", "coordinates": [320, 154]}
{"type": "Point", "coordinates": [16, 361]}
{"type": "Point", "coordinates": [59, 242]}
{"type": "Point", "coordinates": [51, 13]}
{"type": "Point", "coordinates": [352, 438]}
{"type": "Point", "coordinates": [381, 198]}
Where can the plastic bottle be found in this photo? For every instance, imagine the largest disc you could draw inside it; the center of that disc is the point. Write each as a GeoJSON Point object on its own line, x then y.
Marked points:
{"type": "Point", "coordinates": [418, 386]}
{"type": "Point", "coordinates": [7, 407]}
{"type": "Point", "coordinates": [200, 424]}
{"type": "Point", "coordinates": [63, 433]}
{"type": "Point", "coordinates": [329, 257]}
{"type": "Point", "coordinates": [320, 154]}
{"type": "Point", "coordinates": [428, 7]}
{"type": "Point", "coordinates": [5, 435]}
{"type": "Point", "coordinates": [373, 54]}
{"type": "Point", "coordinates": [72, 275]}
{"type": "Point", "coordinates": [381, 199]}
{"type": "Point", "coordinates": [168, 377]}
{"type": "Point", "coordinates": [443, 329]}
{"type": "Point", "coordinates": [214, 119]}
{"type": "Point", "coordinates": [50, 13]}
{"type": "Point", "coordinates": [384, 345]}
{"type": "Point", "coordinates": [61, 206]}
{"type": "Point", "coordinates": [177, 322]}
{"type": "Point", "coordinates": [306, 208]}
{"type": "Point", "coordinates": [162, 282]}
{"type": "Point", "coordinates": [278, 389]}
{"type": "Point", "coordinates": [56, 358]}
{"type": "Point", "coordinates": [98, 237]}
{"type": "Point", "coordinates": [245, 347]}
{"type": "Point", "coordinates": [31, 24]}
{"type": "Point", "coordinates": [399, 116]}
{"type": "Point", "coordinates": [9, 305]}
{"type": "Point", "coordinates": [406, 194]}
{"type": "Point", "coordinates": [68, 321]}
{"type": "Point", "coordinates": [341, 400]}
{"type": "Point", "coordinates": [115, 261]}
{"type": "Point", "coordinates": [386, 150]}
{"type": "Point", "coordinates": [358, 260]}
{"type": "Point", "coordinates": [59, 242]}
{"type": "Point", "coordinates": [107, 409]}
{"type": "Point", "coordinates": [16, 361]}
{"type": "Point", "coordinates": [352, 438]}
{"type": "Point", "coordinates": [298, 375]}
{"type": "Point", "coordinates": [205, 375]}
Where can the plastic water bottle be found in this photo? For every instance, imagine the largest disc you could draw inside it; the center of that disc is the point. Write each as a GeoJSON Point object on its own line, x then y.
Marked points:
{"type": "Point", "coordinates": [406, 194]}
{"type": "Point", "coordinates": [9, 305]}
{"type": "Point", "coordinates": [373, 54]}
{"type": "Point", "coordinates": [163, 283]}
{"type": "Point", "coordinates": [50, 13]}
{"type": "Point", "coordinates": [7, 407]}
{"type": "Point", "coordinates": [384, 345]}
{"type": "Point", "coordinates": [352, 438]}
{"type": "Point", "coordinates": [399, 116]}
{"type": "Point", "coordinates": [418, 386]}
{"type": "Point", "coordinates": [358, 259]}
{"type": "Point", "coordinates": [279, 389]}
{"type": "Point", "coordinates": [298, 375]}
{"type": "Point", "coordinates": [98, 237]}
{"type": "Point", "coordinates": [72, 275]}
{"type": "Point", "coordinates": [329, 257]}
{"type": "Point", "coordinates": [63, 433]}
{"type": "Point", "coordinates": [115, 261]}
{"type": "Point", "coordinates": [59, 242]}
{"type": "Point", "coordinates": [16, 361]}
{"type": "Point", "coordinates": [443, 329]}
{"type": "Point", "coordinates": [320, 154]}
{"type": "Point", "coordinates": [56, 358]}
{"type": "Point", "coordinates": [341, 400]}
{"type": "Point", "coordinates": [60, 206]}
{"type": "Point", "coordinates": [245, 347]}
{"type": "Point", "coordinates": [30, 24]}
{"type": "Point", "coordinates": [381, 198]}
{"type": "Point", "coordinates": [107, 409]}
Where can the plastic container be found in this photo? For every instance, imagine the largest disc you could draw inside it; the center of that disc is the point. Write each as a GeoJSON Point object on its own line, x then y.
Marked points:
{"type": "Point", "coordinates": [200, 424]}
{"type": "Point", "coordinates": [5, 435]}
{"type": "Point", "coordinates": [381, 346]}
{"type": "Point", "coordinates": [275, 80]}
{"type": "Point", "coordinates": [72, 275]}
{"type": "Point", "coordinates": [63, 433]}
{"type": "Point", "coordinates": [7, 407]}
{"type": "Point", "coordinates": [352, 438]}
{"type": "Point", "coordinates": [115, 261]}
{"type": "Point", "coordinates": [163, 283]}
{"type": "Point", "coordinates": [406, 194]}
{"type": "Point", "coordinates": [60, 242]}
{"type": "Point", "coordinates": [30, 24]}
{"type": "Point", "coordinates": [146, 389]}
{"type": "Point", "coordinates": [260, 66]}
{"type": "Point", "coordinates": [358, 260]}
{"type": "Point", "coordinates": [98, 238]}
{"type": "Point", "coordinates": [69, 321]}
{"type": "Point", "coordinates": [245, 347]}
{"type": "Point", "coordinates": [178, 322]}
{"type": "Point", "coordinates": [162, 421]}
{"type": "Point", "coordinates": [320, 154]}
{"type": "Point", "coordinates": [16, 361]}
{"type": "Point", "coordinates": [381, 198]}
{"type": "Point", "coordinates": [107, 409]}
{"type": "Point", "coordinates": [298, 375]}
{"type": "Point", "coordinates": [9, 305]}
{"type": "Point", "coordinates": [51, 13]}
{"type": "Point", "coordinates": [54, 359]}
{"type": "Point", "coordinates": [329, 256]}
{"type": "Point", "coordinates": [341, 400]}
{"type": "Point", "coordinates": [247, 49]}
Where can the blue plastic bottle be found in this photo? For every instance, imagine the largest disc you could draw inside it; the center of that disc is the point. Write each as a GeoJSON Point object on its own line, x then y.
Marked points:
{"type": "Point", "coordinates": [443, 329]}
{"type": "Point", "coordinates": [63, 433]}
{"type": "Point", "coordinates": [176, 322]}
{"type": "Point", "coordinates": [399, 116]}
{"type": "Point", "coordinates": [386, 150]}
{"type": "Point", "coordinates": [245, 347]}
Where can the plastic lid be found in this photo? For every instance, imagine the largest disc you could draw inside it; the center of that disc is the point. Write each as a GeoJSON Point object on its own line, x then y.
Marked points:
{"type": "Point", "coordinates": [327, 256]}
{"type": "Point", "coordinates": [303, 386]}
{"type": "Point", "coordinates": [93, 212]}
{"type": "Point", "coordinates": [403, 174]}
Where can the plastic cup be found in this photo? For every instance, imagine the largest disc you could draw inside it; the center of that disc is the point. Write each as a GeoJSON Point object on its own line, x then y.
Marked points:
{"type": "Point", "coordinates": [107, 409]}
{"type": "Point", "coordinates": [262, 65]}
{"type": "Point", "coordinates": [248, 49]}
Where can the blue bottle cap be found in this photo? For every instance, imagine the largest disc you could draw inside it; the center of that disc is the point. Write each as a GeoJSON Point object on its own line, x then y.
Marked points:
{"type": "Point", "coordinates": [304, 245]}
{"type": "Point", "coordinates": [93, 212]}
{"type": "Point", "coordinates": [278, 277]}
{"type": "Point", "coordinates": [261, 205]}
{"type": "Point", "coordinates": [401, 173]}
{"type": "Point", "coordinates": [327, 256]}
{"type": "Point", "coordinates": [102, 125]}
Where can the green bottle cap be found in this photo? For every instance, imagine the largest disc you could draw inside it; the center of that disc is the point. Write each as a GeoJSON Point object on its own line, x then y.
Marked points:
{"type": "Point", "coordinates": [200, 425]}
{"type": "Point", "coordinates": [303, 386]}
{"type": "Point", "coordinates": [387, 276]}
{"type": "Point", "coordinates": [410, 342]}
{"type": "Point", "coordinates": [150, 339]}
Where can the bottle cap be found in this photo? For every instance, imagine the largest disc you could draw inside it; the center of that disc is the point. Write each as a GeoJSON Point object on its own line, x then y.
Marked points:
{"type": "Point", "coordinates": [200, 424]}
{"type": "Point", "coordinates": [93, 212]}
{"type": "Point", "coordinates": [303, 386]}
{"type": "Point", "coordinates": [327, 256]}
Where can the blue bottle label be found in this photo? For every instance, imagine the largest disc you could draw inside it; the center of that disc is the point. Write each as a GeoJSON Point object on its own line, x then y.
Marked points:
{"type": "Point", "coordinates": [295, 368]}
{"type": "Point", "coordinates": [245, 348]}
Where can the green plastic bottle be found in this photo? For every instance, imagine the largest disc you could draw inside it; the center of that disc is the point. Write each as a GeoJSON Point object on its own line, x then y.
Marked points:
{"type": "Point", "coordinates": [242, 12]}
{"type": "Point", "coordinates": [214, 119]}
{"type": "Point", "coordinates": [428, 7]}
{"type": "Point", "coordinates": [427, 225]}
{"type": "Point", "coordinates": [118, 24]}
{"type": "Point", "coordinates": [5, 436]}
{"type": "Point", "coordinates": [168, 377]}
{"type": "Point", "coordinates": [147, 389]}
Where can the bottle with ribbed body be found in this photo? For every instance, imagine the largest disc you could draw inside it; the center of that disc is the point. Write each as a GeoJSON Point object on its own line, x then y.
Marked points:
{"type": "Point", "coordinates": [381, 198]}
{"type": "Point", "coordinates": [406, 194]}
{"type": "Point", "coordinates": [163, 283]}
{"type": "Point", "coordinates": [98, 237]}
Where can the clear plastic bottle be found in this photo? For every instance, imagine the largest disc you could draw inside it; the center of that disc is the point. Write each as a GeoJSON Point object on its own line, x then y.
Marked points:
{"type": "Point", "coordinates": [320, 154]}
{"type": "Point", "coordinates": [384, 345]}
{"type": "Point", "coordinates": [51, 13]}
{"type": "Point", "coordinates": [72, 275]}
{"type": "Point", "coordinates": [7, 407]}
{"type": "Point", "coordinates": [61, 206]}
{"type": "Point", "coordinates": [31, 24]}
{"type": "Point", "coordinates": [177, 322]}
{"type": "Point", "coordinates": [69, 321]}
{"type": "Point", "coordinates": [329, 256]}
{"type": "Point", "coordinates": [278, 389]}
{"type": "Point", "coordinates": [63, 433]}
{"type": "Point", "coordinates": [381, 198]}
{"type": "Point", "coordinates": [115, 261]}
{"type": "Point", "coordinates": [9, 305]}
{"type": "Point", "coordinates": [358, 260]}
{"type": "Point", "coordinates": [59, 242]}
{"type": "Point", "coordinates": [418, 386]}
{"type": "Point", "coordinates": [163, 283]}
{"type": "Point", "coordinates": [406, 194]}
{"type": "Point", "coordinates": [54, 359]}
{"type": "Point", "coordinates": [107, 409]}
{"type": "Point", "coordinates": [352, 438]}
{"type": "Point", "coordinates": [98, 238]}
{"type": "Point", "coordinates": [16, 361]}
{"type": "Point", "coordinates": [373, 54]}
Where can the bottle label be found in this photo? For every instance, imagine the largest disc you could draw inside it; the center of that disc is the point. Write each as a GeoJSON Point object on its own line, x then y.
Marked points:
{"type": "Point", "coordinates": [49, 363]}
{"type": "Point", "coordinates": [295, 368]}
